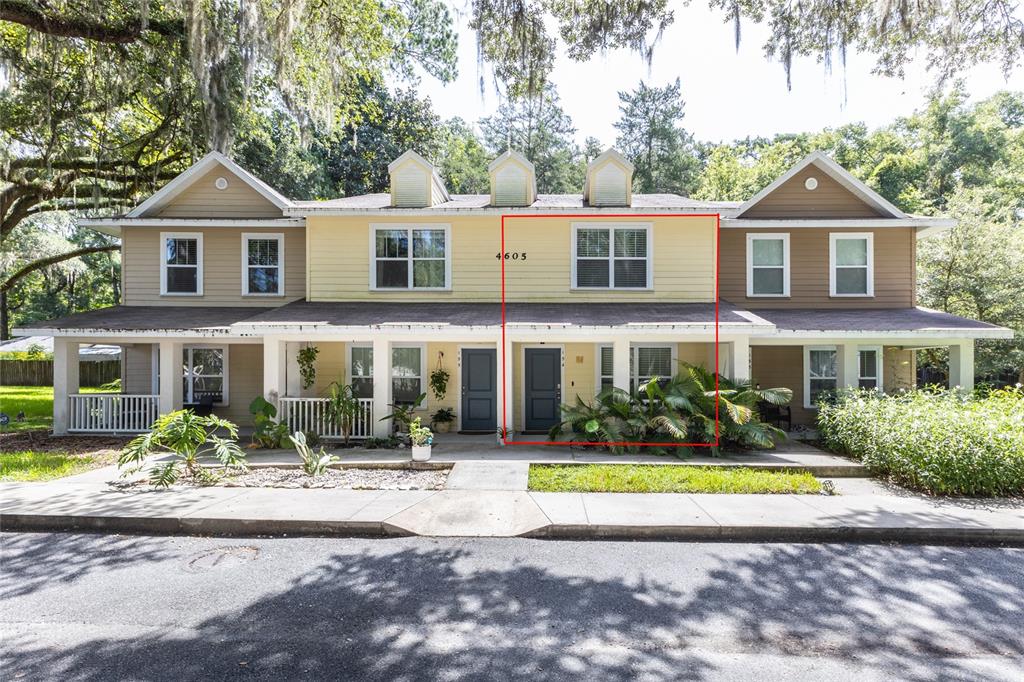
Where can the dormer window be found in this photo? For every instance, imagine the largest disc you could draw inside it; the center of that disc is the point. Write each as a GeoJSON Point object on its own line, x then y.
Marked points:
{"type": "Point", "coordinates": [415, 182]}
{"type": "Point", "coordinates": [609, 181]}
{"type": "Point", "coordinates": [410, 257]}
{"type": "Point", "coordinates": [513, 180]}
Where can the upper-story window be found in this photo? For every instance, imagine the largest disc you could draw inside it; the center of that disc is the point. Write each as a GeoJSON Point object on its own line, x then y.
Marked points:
{"type": "Point", "coordinates": [262, 264]}
{"type": "Point", "coordinates": [611, 257]}
{"type": "Point", "coordinates": [406, 257]}
{"type": "Point", "coordinates": [851, 259]}
{"type": "Point", "coordinates": [767, 265]}
{"type": "Point", "coordinates": [181, 264]}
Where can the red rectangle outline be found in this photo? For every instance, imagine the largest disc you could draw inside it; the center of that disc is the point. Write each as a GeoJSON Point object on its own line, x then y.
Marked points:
{"type": "Point", "coordinates": [504, 375]}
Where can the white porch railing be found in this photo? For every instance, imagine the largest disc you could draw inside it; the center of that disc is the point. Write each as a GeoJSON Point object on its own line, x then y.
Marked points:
{"type": "Point", "coordinates": [310, 414]}
{"type": "Point", "coordinates": [111, 412]}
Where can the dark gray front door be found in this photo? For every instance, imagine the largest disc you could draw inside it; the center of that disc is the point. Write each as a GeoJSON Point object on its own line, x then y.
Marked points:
{"type": "Point", "coordinates": [479, 389]}
{"type": "Point", "coordinates": [543, 388]}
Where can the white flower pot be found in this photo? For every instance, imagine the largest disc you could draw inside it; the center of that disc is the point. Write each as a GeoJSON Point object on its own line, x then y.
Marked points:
{"type": "Point", "coordinates": [420, 453]}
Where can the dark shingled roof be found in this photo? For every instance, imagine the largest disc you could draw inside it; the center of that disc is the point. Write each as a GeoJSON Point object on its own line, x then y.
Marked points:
{"type": "Point", "coordinates": [150, 318]}
{"type": "Point", "coordinates": [484, 314]}
{"type": "Point", "coordinates": [871, 320]}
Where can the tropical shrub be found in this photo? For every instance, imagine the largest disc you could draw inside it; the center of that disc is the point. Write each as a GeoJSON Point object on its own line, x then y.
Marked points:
{"type": "Point", "coordinates": [186, 437]}
{"type": "Point", "coordinates": [314, 463]}
{"type": "Point", "coordinates": [682, 409]}
{"type": "Point", "coordinates": [343, 408]}
{"type": "Point", "coordinates": [402, 414]}
{"type": "Point", "coordinates": [267, 431]}
{"type": "Point", "coordinates": [940, 441]}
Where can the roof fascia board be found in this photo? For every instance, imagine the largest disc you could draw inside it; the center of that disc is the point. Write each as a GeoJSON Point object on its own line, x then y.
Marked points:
{"type": "Point", "coordinates": [99, 223]}
{"type": "Point", "coordinates": [498, 210]}
{"type": "Point", "coordinates": [185, 179]}
{"type": "Point", "coordinates": [837, 173]}
{"type": "Point", "coordinates": [863, 223]}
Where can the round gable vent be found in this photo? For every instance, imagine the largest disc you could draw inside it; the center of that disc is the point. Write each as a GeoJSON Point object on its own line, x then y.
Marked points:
{"type": "Point", "coordinates": [221, 183]}
{"type": "Point", "coordinates": [811, 184]}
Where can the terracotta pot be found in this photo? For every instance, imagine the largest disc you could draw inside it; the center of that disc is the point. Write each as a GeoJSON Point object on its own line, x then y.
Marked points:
{"type": "Point", "coordinates": [442, 427]}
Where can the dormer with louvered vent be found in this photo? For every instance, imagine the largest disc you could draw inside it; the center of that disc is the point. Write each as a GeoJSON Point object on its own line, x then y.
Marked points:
{"type": "Point", "coordinates": [609, 180]}
{"type": "Point", "coordinates": [415, 182]}
{"type": "Point", "coordinates": [513, 180]}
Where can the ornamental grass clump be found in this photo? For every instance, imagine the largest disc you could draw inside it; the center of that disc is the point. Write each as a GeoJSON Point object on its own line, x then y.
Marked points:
{"type": "Point", "coordinates": [944, 442]}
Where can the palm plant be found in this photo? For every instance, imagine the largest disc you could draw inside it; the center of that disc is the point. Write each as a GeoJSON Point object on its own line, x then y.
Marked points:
{"type": "Point", "coordinates": [342, 408]}
{"type": "Point", "coordinates": [183, 435]}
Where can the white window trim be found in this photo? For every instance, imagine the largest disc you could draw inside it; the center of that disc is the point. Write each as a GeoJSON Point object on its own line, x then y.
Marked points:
{"type": "Point", "coordinates": [164, 236]}
{"type": "Point", "coordinates": [879, 355]}
{"type": "Point", "coordinates": [807, 372]}
{"type": "Point", "coordinates": [633, 362]}
{"type": "Point", "coordinates": [227, 364]}
{"type": "Point", "coordinates": [611, 227]}
{"type": "Point", "coordinates": [833, 237]}
{"type": "Point", "coordinates": [409, 227]}
{"type": "Point", "coordinates": [423, 376]}
{"type": "Point", "coordinates": [277, 236]}
{"type": "Point", "coordinates": [771, 236]}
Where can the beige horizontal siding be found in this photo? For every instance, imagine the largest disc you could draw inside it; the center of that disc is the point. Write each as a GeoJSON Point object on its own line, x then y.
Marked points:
{"type": "Point", "coordinates": [222, 266]}
{"type": "Point", "coordinates": [138, 369]}
{"type": "Point", "coordinates": [203, 200]}
{"type": "Point", "coordinates": [339, 260]}
{"type": "Point", "coordinates": [829, 200]}
{"type": "Point", "coordinates": [809, 269]}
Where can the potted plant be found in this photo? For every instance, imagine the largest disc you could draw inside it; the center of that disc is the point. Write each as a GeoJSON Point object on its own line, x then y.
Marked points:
{"type": "Point", "coordinates": [443, 419]}
{"type": "Point", "coordinates": [421, 438]}
{"type": "Point", "coordinates": [503, 435]}
{"type": "Point", "coordinates": [401, 414]}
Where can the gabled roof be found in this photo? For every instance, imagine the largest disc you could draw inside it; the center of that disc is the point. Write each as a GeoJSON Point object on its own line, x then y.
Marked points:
{"type": "Point", "coordinates": [824, 163]}
{"type": "Point", "coordinates": [611, 155]}
{"type": "Point", "coordinates": [511, 155]}
{"type": "Point", "coordinates": [196, 171]}
{"type": "Point", "coordinates": [435, 177]}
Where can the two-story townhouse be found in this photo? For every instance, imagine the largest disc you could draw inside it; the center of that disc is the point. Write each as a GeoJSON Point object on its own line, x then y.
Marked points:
{"type": "Point", "coordinates": [810, 284]}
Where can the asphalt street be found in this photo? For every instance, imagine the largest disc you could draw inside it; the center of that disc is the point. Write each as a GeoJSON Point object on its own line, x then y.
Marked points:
{"type": "Point", "coordinates": [109, 607]}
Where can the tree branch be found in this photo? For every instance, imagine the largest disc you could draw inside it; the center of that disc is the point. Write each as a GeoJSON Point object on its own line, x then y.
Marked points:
{"type": "Point", "coordinates": [31, 15]}
{"type": "Point", "coordinates": [9, 283]}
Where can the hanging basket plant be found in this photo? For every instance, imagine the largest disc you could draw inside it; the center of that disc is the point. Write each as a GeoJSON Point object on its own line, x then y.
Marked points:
{"type": "Point", "coordinates": [439, 379]}
{"type": "Point", "coordinates": [307, 365]}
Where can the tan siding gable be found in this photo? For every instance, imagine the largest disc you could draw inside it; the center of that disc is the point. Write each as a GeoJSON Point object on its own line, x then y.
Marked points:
{"type": "Point", "coordinates": [202, 199]}
{"type": "Point", "coordinates": [830, 200]}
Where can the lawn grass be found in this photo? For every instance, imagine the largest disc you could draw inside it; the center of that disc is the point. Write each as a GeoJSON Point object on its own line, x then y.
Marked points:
{"type": "Point", "coordinates": [29, 465]}
{"type": "Point", "coordinates": [35, 401]}
{"type": "Point", "coordinates": [661, 478]}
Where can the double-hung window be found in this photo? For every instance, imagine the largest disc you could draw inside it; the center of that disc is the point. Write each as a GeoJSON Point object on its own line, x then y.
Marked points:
{"type": "Point", "coordinates": [611, 257]}
{"type": "Point", "coordinates": [407, 380]}
{"type": "Point", "coordinates": [821, 371]}
{"type": "Point", "coordinates": [767, 264]}
{"type": "Point", "coordinates": [204, 374]}
{"type": "Point", "coordinates": [851, 264]}
{"type": "Point", "coordinates": [262, 264]}
{"type": "Point", "coordinates": [645, 362]}
{"type": "Point", "coordinates": [406, 257]}
{"type": "Point", "coordinates": [181, 264]}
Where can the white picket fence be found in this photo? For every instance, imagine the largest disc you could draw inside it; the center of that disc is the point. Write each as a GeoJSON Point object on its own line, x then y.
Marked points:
{"type": "Point", "coordinates": [311, 414]}
{"type": "Point", "coordinates": [111, 412]}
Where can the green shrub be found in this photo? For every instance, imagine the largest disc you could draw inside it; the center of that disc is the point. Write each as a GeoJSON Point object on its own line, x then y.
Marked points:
{"type": "Point", "coordinates": [313, 463]}
{"type": "Point", "coordinates": [938, 441]}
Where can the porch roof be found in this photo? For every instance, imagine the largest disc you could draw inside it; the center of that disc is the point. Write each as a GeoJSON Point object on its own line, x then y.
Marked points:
{"type": "Point", "coordinates": [203, 320]}
{"type": "Point", "coordinates": [923, 321]}
{"type": "Point", "coordinates": [359, 314]}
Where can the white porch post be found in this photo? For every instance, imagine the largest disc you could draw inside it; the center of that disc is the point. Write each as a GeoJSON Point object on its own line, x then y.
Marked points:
{"type": "Point", "coordinates": [65, 382]}
{"type": "Point", "coordinates": [620, 364]}
{"type": "Point", "coordinates": [170, 376]}
{"type": "Point", "coordinates": [961, 365]}
{"type": "Point", "coordinates": [293, 379]}
{"type": "Point", "coordinates": [847, 365]}
{"type": "Point", "coordinates": [274, 367]}
{"type": "Point", "coordinates": [505, 363]}
{"type": "Point", "coordinates": [739, 359]}
{"type": "Point", "coordinates": [381, 386]}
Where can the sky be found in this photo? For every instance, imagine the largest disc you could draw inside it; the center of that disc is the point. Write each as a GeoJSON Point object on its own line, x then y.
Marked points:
{"type": "Point", "coordinates": [729, 95]}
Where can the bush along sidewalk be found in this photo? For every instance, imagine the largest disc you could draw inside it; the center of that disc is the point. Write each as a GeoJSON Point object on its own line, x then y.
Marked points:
{"type": "Point", "coordinates": [938, 441]}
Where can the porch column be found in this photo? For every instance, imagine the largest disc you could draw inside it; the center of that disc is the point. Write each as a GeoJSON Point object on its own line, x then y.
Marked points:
{"type": "Point", "coordinates": [620, 364]}
{"type": "Point", "coordinates": [847, 365]}
{"type": "Point", "coordinates": [381, 386]}
{"type": "Point", "coordinates": [504, 411]}
{"type": "Point", "coordinates": [65, 382]}
{"type": "Point", "coordinates": [739, 359]}
{"type": "Point", "coordinates": [170, 376]}
{"type": "Point", "coordinates": [274, 367]}
{"type": "Point", "coordinates": [961, 365]}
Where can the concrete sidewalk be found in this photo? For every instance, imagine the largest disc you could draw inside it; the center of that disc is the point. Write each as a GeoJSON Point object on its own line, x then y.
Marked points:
{"type": "Point", "coordinates": [492, 501]}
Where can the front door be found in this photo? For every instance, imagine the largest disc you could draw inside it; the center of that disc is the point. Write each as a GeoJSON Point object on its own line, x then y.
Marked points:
{"type": "Point", "coordinates": [479, 389]}
{"type": "Point", "coordinates": [543, 388]}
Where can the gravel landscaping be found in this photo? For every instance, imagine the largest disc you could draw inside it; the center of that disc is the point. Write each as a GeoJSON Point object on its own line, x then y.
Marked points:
{"type": "Point", "coordinates": [356, 479]}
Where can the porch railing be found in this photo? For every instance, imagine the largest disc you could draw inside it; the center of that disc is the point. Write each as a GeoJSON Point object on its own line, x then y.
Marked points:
{"type": "Point", "coordinates": [311, 414]}
{"type": "Point", "coordinates": [111, 412]}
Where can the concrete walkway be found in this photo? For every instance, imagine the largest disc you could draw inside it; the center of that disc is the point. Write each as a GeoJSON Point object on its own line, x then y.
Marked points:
{"type": "Point", "coordinates": [490, 500]}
